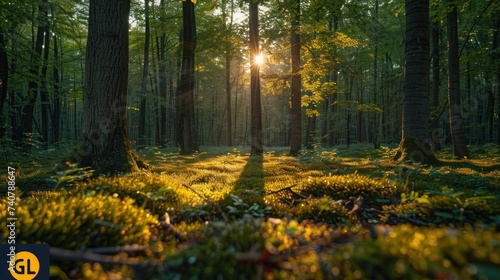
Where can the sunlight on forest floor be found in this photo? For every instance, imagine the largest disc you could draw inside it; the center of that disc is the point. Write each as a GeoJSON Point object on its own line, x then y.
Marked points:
{"type": "Point", "coordinates": [328, 213]}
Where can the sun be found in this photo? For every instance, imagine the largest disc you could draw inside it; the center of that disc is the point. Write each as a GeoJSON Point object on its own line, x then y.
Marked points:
{"type": "Point", "coordinates": [259, 59]}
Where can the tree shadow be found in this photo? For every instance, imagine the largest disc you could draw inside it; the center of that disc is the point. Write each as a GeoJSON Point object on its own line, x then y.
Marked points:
{"type": "Point", "coordinates": [468, 164]}
{"type": "Point", "coordinates": [250, 184]}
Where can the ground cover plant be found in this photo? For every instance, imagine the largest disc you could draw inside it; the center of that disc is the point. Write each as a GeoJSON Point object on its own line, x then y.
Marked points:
{"type": "Point", "coordinates": [224, 214]}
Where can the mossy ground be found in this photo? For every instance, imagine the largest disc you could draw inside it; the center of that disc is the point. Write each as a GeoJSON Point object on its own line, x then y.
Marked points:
{"type": "Point", "coordinates": [325, 214]}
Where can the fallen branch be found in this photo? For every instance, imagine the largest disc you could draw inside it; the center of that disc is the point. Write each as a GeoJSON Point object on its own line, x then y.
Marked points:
{"type": "Point", "coordinates": [288, 189]}
{"type": "Point", "coordinates": [85, 256]}
{"type": "Point", "coordinates": [167, 226]}
{"type": "Point", "coordinates": [195, 192]}
{"type": "Point", "coordinates": [280, 190]}
{"type": "Point", "coordinates": [133, 248]}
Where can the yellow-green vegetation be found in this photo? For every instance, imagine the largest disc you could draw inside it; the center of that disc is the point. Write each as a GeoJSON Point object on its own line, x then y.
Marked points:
{"type": "Point", "coordinates": [222, 214]}
{"type": "Point", "coordinates": [76, 221]}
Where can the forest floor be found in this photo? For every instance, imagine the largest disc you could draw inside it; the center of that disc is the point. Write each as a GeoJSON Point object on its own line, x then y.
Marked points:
{"type": "Point", "coordinates": [340, 213]}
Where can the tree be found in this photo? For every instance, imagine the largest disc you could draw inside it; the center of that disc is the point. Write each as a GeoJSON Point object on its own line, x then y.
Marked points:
{"type": "Point", "coordinates": [105, 144]}
{"type": "Point", "coordinates": [455, 109]}
{"type": "Point", "coordinates": [187, 129]}
{"type": "Point", "coordinates": [4, 77]}
{"type": "Point", "coordinates": [144, 80]}
{"type": "Point", "coordinates": [36, 58]}
{"type": "Point", "coordinates": [436, 56]}
{"type": "Point", "coordinates": [256, 106]}
{"type": "Point", "coordinates": [228, 29]}
{"type": "Point", "coordinates": [295, 110]}
{"type": "Point", "coordinates": [414, 143]}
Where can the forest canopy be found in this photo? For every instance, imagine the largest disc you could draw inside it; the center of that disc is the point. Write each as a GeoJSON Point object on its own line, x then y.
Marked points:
{"type": "Point", "coordinates": [351, 66]}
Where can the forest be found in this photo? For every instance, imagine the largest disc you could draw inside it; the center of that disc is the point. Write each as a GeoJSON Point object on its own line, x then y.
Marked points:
{"type": "Point", "coordinates": [251, 139]}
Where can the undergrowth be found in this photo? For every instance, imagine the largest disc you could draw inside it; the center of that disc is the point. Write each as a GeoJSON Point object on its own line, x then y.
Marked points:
{"type": "Point", "coordinates": [326, 214]}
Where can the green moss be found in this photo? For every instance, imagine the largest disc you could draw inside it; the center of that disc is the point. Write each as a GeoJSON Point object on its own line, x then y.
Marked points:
{"type": "Point", "coordinates": [345, 186]}
{"type": "Point", "coordinates": [80, 221]}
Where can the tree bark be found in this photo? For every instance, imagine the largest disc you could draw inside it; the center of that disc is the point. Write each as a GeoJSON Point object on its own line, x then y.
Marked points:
{"type": "Point", "coordinates": [36, 58]}
{"type": "Point", "coordinates": [295, 110]}
{"type": "Point", "coordinates": [375, 117]}
{"type": "Point", "coordinates": [105, 144]}
{"type": "Point", "coordinates": [56, 113]}
{"type": "Point", "coordinates": [256, 106]}
{"type": "Point", "coordinates": [496, 60]}
{"type": "Point", "coordinates": [435, 134]}
{"type": "Point", "coordinates": [44, 91]}
{"type": "Point", "coordinates": [228, 75]}
{"type": "Point", "coordinates": [456, 122]}
{"type": "Point", "coordinates": [415, 144]}
{"type": "Point", "coordinates": [163, 79]}
{"type": "Point", "coordinates": [144, 80]}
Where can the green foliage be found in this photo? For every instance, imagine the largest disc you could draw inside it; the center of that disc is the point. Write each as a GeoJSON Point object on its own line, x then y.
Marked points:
{"type": "Point", "coordinates": [75, 221]}
{"type": "Point", "coordinates": [150, 192]}
{"type": "Point", "coordinates": [240, 217]}
{"type": "Point", "coordinates": [345, 186]}
{"type": "Point", "coordinates": [212, 253]}
{"type": "Point", "coordinates": [413, 253]}
{"type": "Point", "coordinates": [239, 208]}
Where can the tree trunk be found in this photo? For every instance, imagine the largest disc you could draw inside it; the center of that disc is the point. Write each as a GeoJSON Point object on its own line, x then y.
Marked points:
{"type": "Point", "coordinates": [187, 128]}
{"type": "Point", "coordinates": [327, 133]}
{"type": "Point", "coordinates": [44, 90]}
{"type": "Point", "coordinates": [256, 106]}
{"type": "Point", "coordinates": [4, 77]}
{"type": "Point", "coordinates": [144, 80]}
{"type": "Point", "coordinates": [228, 99]}
{"type": "Point", "coordinates": [435, 135]}
{"type": "Point", "coordinates": [414, 144]}
{"type": "Point", "coordinates": [375, 116]}
{"type": "Point", "coordinates": [456, 122]}
{"type": "Point", "coordinates": [496, 60]}
{"type": "Point", "coordinates": [105, 144]}
{"type": "Point", "coordinates": [311, 132]}
{"type": "Point", "coordinates": [27, 111]}
{"type": "Point", "coordinates": [163, 78]}
{"type": "Point", "coordinates": [228, 30]}
{"type": "Point", "coordinates": [57, 95]}
{"type": "Point", "coordinates": [295, 110]}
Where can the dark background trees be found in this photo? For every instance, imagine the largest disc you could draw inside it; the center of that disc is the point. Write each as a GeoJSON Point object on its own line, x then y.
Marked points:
{"type": "Point", "coordinates": [351, 66]}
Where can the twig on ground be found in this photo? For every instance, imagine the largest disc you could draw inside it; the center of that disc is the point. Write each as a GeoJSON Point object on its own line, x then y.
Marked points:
{"type": "Point", "coordinates": [85, 256]}
{"type": "Point", "coordinates": [132, 248]}
{"type": "Point", "coordinates": [280, 190]}
{"type": "Point", "coordinates": [195, 192]}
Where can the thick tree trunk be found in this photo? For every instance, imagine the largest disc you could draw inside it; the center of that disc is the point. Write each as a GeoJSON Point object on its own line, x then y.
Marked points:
{"type": "Point", "coordinates": [295, 110]}
{"type": "Point", "coordinates": [414, 144]}
{"type": "Point", "coordinates": [256, 106]}
{"type": "Point", "coordinates": [187, 128]}
{"type": "Point", "coordinates": [144, 80]}
{"type": "Point", "coordinates": [105, 144]}
{"type": "Point", "coordinates": [455, 109]}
